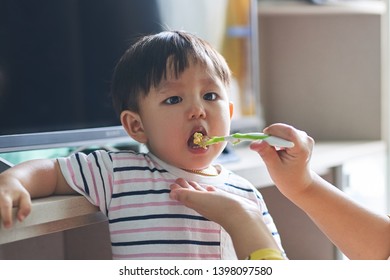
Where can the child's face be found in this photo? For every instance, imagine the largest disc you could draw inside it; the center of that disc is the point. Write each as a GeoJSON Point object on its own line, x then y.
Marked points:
{"type": "Point", "coordinates": [172, 112]}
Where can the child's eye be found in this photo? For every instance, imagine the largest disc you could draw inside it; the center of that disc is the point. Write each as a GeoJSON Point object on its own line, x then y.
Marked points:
{"type": "Point", "coordinates": [210, 96]}
{"type": "Point", "coordinates": [173, 100]}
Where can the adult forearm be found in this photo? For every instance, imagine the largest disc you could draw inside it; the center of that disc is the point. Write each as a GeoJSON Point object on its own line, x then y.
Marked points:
{"type": "Point", "coordinates": [356, 231]}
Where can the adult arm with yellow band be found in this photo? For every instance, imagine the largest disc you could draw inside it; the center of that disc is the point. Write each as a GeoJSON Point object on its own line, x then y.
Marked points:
{"type": "Point", "coordinates": [357, 231]}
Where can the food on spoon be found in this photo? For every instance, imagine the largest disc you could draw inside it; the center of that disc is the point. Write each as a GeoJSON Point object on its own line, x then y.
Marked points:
{"type": "Point", "coordinates": [200, 139]}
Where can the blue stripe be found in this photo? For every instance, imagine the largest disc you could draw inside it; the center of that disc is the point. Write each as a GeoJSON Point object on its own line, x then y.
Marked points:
{"type": "Point", "coordinates": [82, 174]}
{"type": "Point", "coordinates": [236, 187]}
{"type": "Point", "coordinates": [139, 168]}
{"type": "Point", "coordinates": [116, 195]}
{"type": "Point", "coordinates": [175, 242]}
{"type": "Point", "coordinates": [157, 216]}
{"type": "Point", "coordinates": [102, 179]}
{"type": "Point", "coordinates": [109, 155]}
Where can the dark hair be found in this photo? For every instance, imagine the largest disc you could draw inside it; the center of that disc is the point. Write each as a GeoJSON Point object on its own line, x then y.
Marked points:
{"type": "Point", "coordinates": [149, 60]}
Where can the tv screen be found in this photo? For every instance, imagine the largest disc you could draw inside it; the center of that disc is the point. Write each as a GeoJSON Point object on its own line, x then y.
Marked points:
{"type": "Point", "coordinates": [57, 59]}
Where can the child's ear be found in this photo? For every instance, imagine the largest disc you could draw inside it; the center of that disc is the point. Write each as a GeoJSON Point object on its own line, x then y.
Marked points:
{"type": "Point", "coordinates": [231, 109]}
{"type": "Point", "coordinates": [132, 123]}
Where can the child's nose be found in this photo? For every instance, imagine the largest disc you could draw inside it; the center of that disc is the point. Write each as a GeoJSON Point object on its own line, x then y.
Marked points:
{"type": "Point", "coordinates": [197, 111]}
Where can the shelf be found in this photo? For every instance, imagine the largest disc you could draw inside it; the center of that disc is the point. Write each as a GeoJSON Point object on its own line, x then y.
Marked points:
{"type": "Point", "coordinates": [52, 214]}
{"type": "Point", "coordinates": [274, 8]}
{"type": "Point", "coordinates": [326, 155]}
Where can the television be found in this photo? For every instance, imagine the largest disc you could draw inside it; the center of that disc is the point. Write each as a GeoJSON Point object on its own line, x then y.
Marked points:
{"type": "Point", "coordinates": [57, 59]}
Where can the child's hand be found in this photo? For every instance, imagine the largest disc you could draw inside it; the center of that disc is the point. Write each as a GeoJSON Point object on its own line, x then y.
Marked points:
{"type": "Point", "coordinates": [30, 179]}
{"type": "Point", "coordinates": [289, 168]}
{"type": "Point", "coordinates": [12, 193]}
{"type": "Point", "coordinates": [216, 205]}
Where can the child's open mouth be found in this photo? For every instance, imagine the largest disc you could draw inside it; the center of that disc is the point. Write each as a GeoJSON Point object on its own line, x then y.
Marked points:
{"type": "Point", "coordinates": [196, 140]}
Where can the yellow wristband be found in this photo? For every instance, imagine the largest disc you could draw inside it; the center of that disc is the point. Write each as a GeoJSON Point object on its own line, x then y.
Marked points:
{"type": "Point", "coordinates": [266, 254]}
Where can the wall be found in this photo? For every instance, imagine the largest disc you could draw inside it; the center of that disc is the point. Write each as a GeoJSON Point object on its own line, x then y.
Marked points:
{"type": "Point", "coordinates": [322, 73]}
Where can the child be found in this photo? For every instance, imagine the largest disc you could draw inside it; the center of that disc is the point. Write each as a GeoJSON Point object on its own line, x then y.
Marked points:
{"type": "Point", "coordinates": [166, 87]}
{"type": "Point", "coordinates": [359, 233]}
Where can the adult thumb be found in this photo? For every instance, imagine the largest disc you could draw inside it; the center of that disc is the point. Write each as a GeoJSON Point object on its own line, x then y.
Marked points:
{"type": "Point", "coordinates": [267, 153]}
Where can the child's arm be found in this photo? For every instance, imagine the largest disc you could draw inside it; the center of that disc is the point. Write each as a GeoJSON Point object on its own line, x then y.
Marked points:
{"type": "Point", "coordinates": [36, 178]}
{"type": "Point", "coordinates": [359, 233]}
{"type": "Point", "coordinates": [240, 217]}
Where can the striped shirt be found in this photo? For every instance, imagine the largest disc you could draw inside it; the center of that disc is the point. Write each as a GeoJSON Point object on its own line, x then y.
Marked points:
{"type": "Point", "coordinates": [132, 190]}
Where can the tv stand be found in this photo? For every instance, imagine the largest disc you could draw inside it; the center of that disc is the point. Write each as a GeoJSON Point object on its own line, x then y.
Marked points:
{"type": "Point", "coordinates": [4, 165]}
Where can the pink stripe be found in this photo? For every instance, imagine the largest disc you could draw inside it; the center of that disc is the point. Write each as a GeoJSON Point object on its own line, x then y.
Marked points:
{"type": "Point", "coordinates": [143, 180]}
{"type": "Point", "coordinates": [152, 229]}
{"type": "Point", "coordinates": [110, 183]}
{"type": "Point", "coordinates": [167, 255]}
{"type": "Point", "coordinates": [140, 205]}
{"type": "Point", "coordinates": [119, 157]}
{"type": "Point", "coordinates": [90, 167]}
{"type": "Point", "coordinates": [72, 174]}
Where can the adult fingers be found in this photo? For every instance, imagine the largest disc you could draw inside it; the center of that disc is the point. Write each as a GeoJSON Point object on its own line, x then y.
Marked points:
{"type": "Point", "coordinates": [268, 153]}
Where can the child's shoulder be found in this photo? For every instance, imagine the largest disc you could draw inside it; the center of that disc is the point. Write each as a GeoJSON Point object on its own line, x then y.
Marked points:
{"type": "Point", "coordinates": [123, 154]}
{"type": "Point", "coordinates": [233, 175]}
{"type": "Point", "coordinates": [237, 181]}
{"type": "Point", "coordinates": [126, 156]}
{"type": "Point", "coordinates": [109, 157]}
{"type": "Point", "coordinates": [131, 158]}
